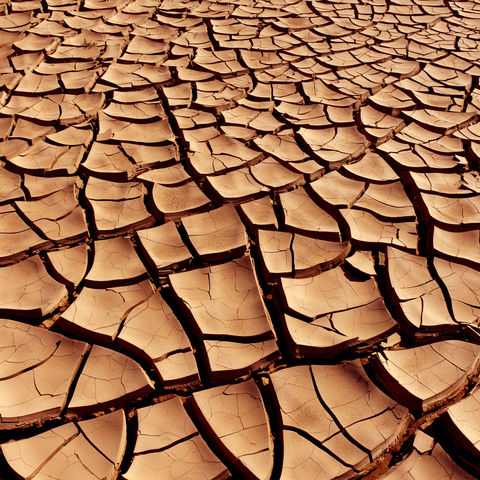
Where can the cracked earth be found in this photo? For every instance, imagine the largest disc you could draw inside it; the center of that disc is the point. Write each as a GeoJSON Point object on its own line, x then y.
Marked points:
{"type": "Point", "coordinates": [239, 240]}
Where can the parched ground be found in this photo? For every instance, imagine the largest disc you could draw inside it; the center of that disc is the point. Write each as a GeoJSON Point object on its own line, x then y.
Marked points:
{"type": "Point", "coordinates": [239, 240]}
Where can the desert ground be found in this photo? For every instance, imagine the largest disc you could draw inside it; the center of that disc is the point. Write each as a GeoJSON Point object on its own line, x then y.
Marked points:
{"type": "Point", "coordinates": [239, 239]}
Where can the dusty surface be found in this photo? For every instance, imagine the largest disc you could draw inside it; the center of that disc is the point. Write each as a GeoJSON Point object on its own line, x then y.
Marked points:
{"type": "Point", "coordinates": [239, 240]}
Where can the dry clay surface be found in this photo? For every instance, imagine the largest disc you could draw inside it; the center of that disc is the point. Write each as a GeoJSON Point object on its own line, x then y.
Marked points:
{"type": "Point", "coordinates": [239, 239]}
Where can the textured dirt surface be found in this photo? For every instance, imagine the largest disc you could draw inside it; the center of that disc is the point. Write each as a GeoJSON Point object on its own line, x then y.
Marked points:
{"type": "Point", "coordinates": [239, 240]}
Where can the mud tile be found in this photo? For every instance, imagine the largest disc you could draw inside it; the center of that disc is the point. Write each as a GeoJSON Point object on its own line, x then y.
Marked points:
{"type": "Point", "coordinates": [189, 118]}
{"type": "Point", "coordinates": [66, 109]}
{"type": "Point", "coordinates": [125, 131]}
{"type": "Point", "coordinates": [108, 378]}
{"type": "Point", "coordinates": [134, 76]}
{"type": "Point", "coordinates": [76, 53]}
{"type": "Point", "coordinates": [58, 215]}
{"type": "Point", "coordinates": [420, 297]}
{"type": "Point", "coordinates": [334, 189]}
{"type": "Point", "coordinates": [461, 422]}
{"type": "Point", "coordinates": [78, 82]}
{"type": "Point", "coordinates": [219, 154]}
{"type": "Point", "coordinates": [458, 214]}
{"type": "Point", "coordinates": [442, 183]}
{"type": "Point", "coordinates": [392, 99]}
{"type": "Point", "coordinates": [15, 21]}
{"type": "Point", "coordinates": [17, 240]}
{"type": "Point", "coordinates": [460, 282]}
{"type": "Point", "coordinates": [221, 62]}
{"type": "Point", "coordinates": [145, 94]}
{"type": "Point", "coordinates": [116, 263]}
{"type": "Point", "coordinates": [27, 290]}
{"type": "Point", "coordinates": [367, 405]}
{"type": "Point", "coordinates": [362, 261]}
{"type": "Point", "coordinates": [38, 449]}
{"type": "Point", "coordinates": [310, 169]}
{"type": "Point", "coordinates": [6, 124]}
{"type": "Point", "coordinates": [283, 147]}
{"type": "Point", "coordinates": [288, 254]}
{"type": "Point", "coordinates": [40, 186]}
{"type": "Point", "coordinates": [25, 61]}
{"type": "Point", "coordinates": [69, 266]}
{"type": "Point", "coordinates": [419, 159]}
{"type": "Point", "coordinates": [34, 84]}
{"type": "Point", "coordinates": [423, 443]}
{"type": "Point", "coordinates": [188, 74]}
{"type": "Point", "coordinates": [457, 246]}
{"type": "Point", "coordinates": [373, 168]}
{"type": "Point", "coordinates": [99, 313]}
{"type": "Point", "coordinates": [45, 157]}
{"type": "Point", "coordinates": [387, 202]}
{"type": "Point", "coordinates": [153, 420]}
{"type": "Point", "coordinates": [175, 202]}
{"type": "Point", "coordinates": [236, 186]}
{"type": "Point", "coordinates": [173, 175]}
{"type": "Point", "coordinates": [179, 95]}
{"type": "Point", "coordinates": [152, 331]}
{"type": "Point", "coordinates": [197, 139]}
{"type": "Point", "coordinates": [91, 448]}
{"type": "Point", "coordinates": [169, 444]}
{"type": "Point", "coordinates": [301, 214]}
{"type": "Point", "coordinates": [332, 428]}
{"type": "Point", "coordinates": [148, 156]}
{"type": "Point", "coordinates": [163, 248]}
{"type": "Point", "coordinates": [225, 300]}
{"type": "Point", "coordinates": [72, 136]}
{"type": "Point", "coordinates": [17, 104]}
{"type": "Point", "coordinates": [330, 335]}
{"type": "Point", "coordinates": [258, 60]}
{"type": "Point", "coordinates": [234, 415]}
{"type": "Point", "coordinates": [264, 122]}
{"type": "Point", "coordinates": [117, 207]}
{"type": "Point", "coordinates": [319, 92]}
{"type": "Point", "coordinates": [426, 376]}
{"type": "Point", "coordinates": [275, 176]}
{"type": "Point", "coordinates": [378, 125]}
{"type": "Point", "coordinates": [229, 360]}
{"type": "Point", "coordinates": [470, 181]}
{"type": "Point", "coordinates": [365, 231]}
{"type": "Point", "coordinates": [326, 293]}
{"type": "Point", "coordinates": [135, 112]}
{"type": "Point", "coordinates": [108, 161]}
{"type": "Point", "coordinates": [304, 115]}
{"type": "Point", "coordinates": [12, 147]}
{"type": "Point", "coordinates": [35, 43]}
{"type": "Point", "coordinates": [217, 234]}
{"type": "Point", "coordinates": [29, 393]}
{"type": "Point", "coordinates": [10, 186]}
{"type": "Point", "coordinates": [437, 463]}
{"type": "Point", "coordinates": [443, 122]}
{"type": "Point", "coordinates": [259, 213]}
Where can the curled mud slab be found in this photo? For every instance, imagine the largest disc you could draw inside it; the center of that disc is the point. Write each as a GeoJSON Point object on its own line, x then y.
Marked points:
{"type": "Point", "coordinates": [239, 240]}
